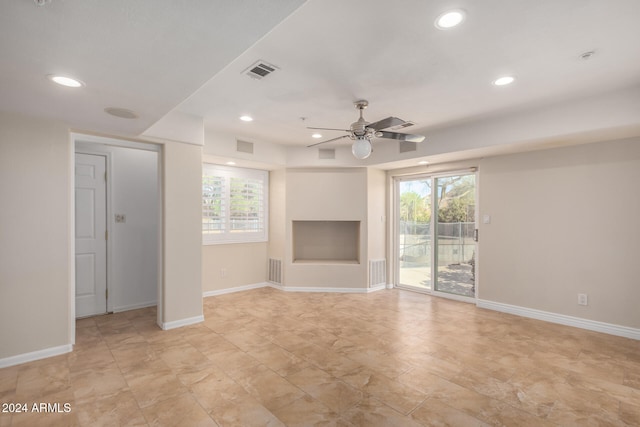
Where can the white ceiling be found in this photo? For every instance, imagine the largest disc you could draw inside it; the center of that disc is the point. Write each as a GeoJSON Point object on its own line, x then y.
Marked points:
{"type": "Point", "coordinates": [143, 55]}
{"type": "Point", "coordinates": [158, 56]}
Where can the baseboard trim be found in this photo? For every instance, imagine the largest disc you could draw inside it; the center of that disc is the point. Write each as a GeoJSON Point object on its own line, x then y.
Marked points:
{"type": "Point", "coordinates": [182, 322]}
{"type": "Point", "coordinates": [293, 289]}
{"type": "Point", "coordinates": [577, 322]}
{"type": "Point", "coordinates": [321, 289]}
{"type": "Point", "coordinates": [134, 306]}
{"type": "Point", "coordinates": [235, 289]}
{"type": "Point", "coordinates": [35, 355]}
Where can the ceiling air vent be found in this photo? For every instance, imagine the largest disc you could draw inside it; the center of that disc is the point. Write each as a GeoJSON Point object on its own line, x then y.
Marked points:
{"type": "Point", "coordinates": [244, 146]}
{"type": "Point", "coordinates": [407, 146]}
{"type": "Point", "coordinates": [260, 70]}
{"type": "Point", "coordinates": [326, 153]}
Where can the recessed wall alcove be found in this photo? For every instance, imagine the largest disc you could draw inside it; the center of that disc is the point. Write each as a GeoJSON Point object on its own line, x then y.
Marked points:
{"type": "Point", "coordinates": [326, 225]}
{"type": "Point", "coordinates": [326, 242]}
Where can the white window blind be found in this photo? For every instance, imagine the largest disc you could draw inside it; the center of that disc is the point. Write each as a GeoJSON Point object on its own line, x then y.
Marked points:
{"type": "Point", "coordinates": [234, 204]}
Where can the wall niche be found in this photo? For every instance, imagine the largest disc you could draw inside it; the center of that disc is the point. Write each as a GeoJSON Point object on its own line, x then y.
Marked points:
{"type": "Point", "coordinates": [326, 242]}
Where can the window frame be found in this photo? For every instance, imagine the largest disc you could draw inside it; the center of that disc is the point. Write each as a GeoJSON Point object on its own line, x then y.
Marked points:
{"type": "Point", "coordinates": [227, 235]}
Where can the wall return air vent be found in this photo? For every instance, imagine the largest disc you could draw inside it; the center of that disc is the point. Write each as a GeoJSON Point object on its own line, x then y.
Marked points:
{"type": "Point", "coordinates": [260, 70]}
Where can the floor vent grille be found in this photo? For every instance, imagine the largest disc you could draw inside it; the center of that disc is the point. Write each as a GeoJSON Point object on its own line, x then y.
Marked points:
{"type": "Point", "coordinates": [275, 271]}
{"type": "Point", "coordinates": [377, 272]}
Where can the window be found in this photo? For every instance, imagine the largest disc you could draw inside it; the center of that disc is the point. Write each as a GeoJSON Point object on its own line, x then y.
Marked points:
{"type": "Point", "coordinates": [234, 204]}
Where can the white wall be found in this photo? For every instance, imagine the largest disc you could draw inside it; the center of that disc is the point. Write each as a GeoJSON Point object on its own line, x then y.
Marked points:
{"type": "Point", "coordinates": [221, 147]}
{"type": "Point", "coordinates": [134, 245]}
{"type": "Point", "coordinates": [35, 182]}
{"type": "Point", "coordinates": [135, 242]}
{"type": "Point", "coordinates": [563, 221]}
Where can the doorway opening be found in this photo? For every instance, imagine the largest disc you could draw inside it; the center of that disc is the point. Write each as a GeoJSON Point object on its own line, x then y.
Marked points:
{"type": "Point", "coordinates": [435, 234]}
{"type": "Point", "coordinates": [117, 226]}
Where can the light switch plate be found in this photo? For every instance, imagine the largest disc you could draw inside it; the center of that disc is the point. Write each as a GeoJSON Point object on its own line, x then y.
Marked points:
{"type": "Point", "coordinates": [486, 219]}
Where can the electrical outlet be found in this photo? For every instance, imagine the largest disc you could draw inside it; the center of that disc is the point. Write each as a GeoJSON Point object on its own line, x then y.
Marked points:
{"type": "Point", "coordinates": [582, 299]}
{"type": "Point", "coordinates": [223, 272]}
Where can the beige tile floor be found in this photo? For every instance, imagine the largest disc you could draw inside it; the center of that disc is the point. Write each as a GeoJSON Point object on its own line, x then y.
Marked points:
{"type": "Point", "coordinates": [390, 358]}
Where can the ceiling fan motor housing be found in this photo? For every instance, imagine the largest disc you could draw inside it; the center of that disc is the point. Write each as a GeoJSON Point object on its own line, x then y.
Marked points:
{"type": "Point", "coordinates": [359, 127]}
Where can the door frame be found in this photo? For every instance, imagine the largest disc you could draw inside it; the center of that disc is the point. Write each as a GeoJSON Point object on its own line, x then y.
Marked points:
{"type": "Point", "coordinates": [395, 230]}
{"type": "Point", "coordinates": [98, 142]}
{"type": "Point", "coordinates": [108, 272]}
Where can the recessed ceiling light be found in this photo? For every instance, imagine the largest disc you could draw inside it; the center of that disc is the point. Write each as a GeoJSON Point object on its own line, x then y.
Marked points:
{"type": "Point", "coordinates": [231, 163]}
{"type": "Point", "coordinates": [423, 162]}
{"type": "Point", "coordinates": [65, 81]}
{"type": "Point", "coordinates": [316, 135]}
{"type": "Point", "coordinates": [502, 81]}
{"type": "Point", "coordinates": [450, 19]}
{"type": "Point", "coordinates": [246, 118]}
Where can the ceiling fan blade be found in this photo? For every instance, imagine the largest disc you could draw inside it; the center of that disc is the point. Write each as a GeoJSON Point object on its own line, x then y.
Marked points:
{"type": "Point", "coordinates": [341, 130]}
{"type": "Point", "coordinates": [386, 123]}
{"type": "Point", "coordinates": [401, 136]}
{"type": "Point", "coordinates": [328, 140]}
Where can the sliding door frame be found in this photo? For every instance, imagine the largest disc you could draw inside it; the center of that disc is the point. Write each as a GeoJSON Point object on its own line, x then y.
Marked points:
{"type": "Point", "coordinates": [395, 252]}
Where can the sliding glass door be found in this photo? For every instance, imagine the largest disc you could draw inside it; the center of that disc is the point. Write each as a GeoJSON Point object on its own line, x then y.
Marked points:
{"type": "Point", "coordinates": [435, 233]}
{"type": "Point", "coordinates": [414, 232]}
{"type": "Point", "coordinates": [455, 234]}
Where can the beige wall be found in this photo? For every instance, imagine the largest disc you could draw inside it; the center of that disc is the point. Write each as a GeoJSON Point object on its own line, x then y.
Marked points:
{"type": "Point", "coordinates": [243, 264]}
{"type": "Point", "coordinates": [326, 194]}
{"type": "Point", "coordinates": [563, 221]}
{"type": "Point", "coordinates": [36, 221]}
{"type": "Point", "coordinates": [376, 211]}
{"type": "Point", "coordinates": [246, 263]}
{"type": "Point", "coordinates": [277, 213]}
{"type": "Point", "coordinates": [35, 187]}
{"type": "Point", "coordinates": [182, 218]}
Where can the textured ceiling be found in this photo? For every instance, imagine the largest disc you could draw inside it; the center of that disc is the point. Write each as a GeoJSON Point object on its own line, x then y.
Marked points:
{"type": "Point", "coordinates": [143, 55]}
{"type": "Point", "coordinates": [159, 56]}
{"type": "Point", "coordinates": [333, 52]}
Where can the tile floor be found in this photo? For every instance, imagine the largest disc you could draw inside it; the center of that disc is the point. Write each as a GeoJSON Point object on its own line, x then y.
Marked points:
{"type": "Point", "coordinates": [390, 358]}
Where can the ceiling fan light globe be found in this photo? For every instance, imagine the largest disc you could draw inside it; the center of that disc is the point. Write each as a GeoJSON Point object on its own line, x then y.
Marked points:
{"type": "Point", "coordinates": [361, 148]}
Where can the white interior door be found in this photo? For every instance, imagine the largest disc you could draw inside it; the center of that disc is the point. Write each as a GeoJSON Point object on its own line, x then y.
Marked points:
{"type": "Point", "coordinates": [91, 234]}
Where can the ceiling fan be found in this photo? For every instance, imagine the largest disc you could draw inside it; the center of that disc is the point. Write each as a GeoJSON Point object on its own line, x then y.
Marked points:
{"type": "Point", "coordinates": [362, 131]}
